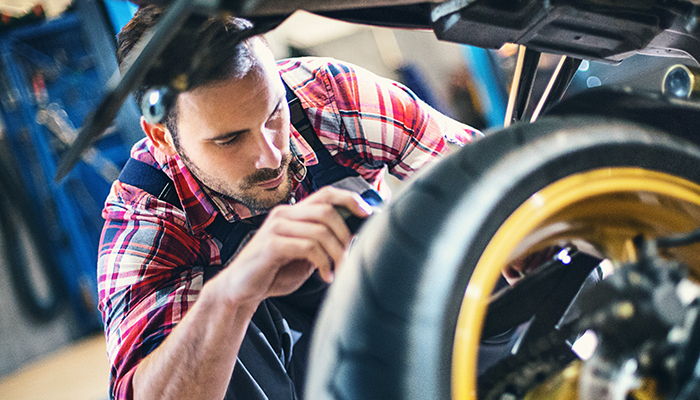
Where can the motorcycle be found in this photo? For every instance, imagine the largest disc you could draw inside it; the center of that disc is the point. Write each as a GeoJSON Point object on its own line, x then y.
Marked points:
{"type": "Point", "coordinates": [604, 186]}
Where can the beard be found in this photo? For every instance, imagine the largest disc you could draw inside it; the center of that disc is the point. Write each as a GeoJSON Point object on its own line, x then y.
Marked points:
{"type": "Point", "coordinates": [247, 192]}
{"type": "Point", "coordinates": [268, 198]}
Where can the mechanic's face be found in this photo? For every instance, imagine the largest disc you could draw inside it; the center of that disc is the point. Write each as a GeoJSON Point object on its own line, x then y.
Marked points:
{"type": "Point", "coordinates": [234, 135]}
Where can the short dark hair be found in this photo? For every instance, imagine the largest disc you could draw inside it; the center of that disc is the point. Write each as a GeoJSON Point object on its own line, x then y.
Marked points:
{"type": "Point", "coordinates": [225, 56]}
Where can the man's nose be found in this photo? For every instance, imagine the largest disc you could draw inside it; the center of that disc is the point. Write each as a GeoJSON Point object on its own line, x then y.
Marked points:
{"type": "Point", "coordinates": [269, 156]}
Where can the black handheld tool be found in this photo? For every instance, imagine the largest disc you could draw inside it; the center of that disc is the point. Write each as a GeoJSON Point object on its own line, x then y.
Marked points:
{"type": "Point", "coordinates": [351, 220]}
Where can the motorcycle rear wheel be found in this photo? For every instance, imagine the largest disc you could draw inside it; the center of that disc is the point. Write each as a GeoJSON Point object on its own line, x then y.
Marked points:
{"type": "Point", "coordinates": [403, 319]}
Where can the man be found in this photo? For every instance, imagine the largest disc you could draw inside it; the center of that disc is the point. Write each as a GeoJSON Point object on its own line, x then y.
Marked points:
{"type": "Point", "coordinates": [231, 154]}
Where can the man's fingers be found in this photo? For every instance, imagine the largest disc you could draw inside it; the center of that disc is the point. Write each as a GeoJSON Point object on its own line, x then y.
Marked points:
{"type": "Point", "coordinates": [320, 213]}
{"type": "Point", "coordinates": [343, 198]}
{"type": "Point", "coordinates": [297, 239]}
{"type": "Point", "coordinates": [326, 207]}
{"type": "Point", "coordinates": [294, 249]}
{"type": "Point", "coordinates": [321, 233]}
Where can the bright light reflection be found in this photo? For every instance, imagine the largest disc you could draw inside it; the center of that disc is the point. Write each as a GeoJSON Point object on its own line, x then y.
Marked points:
{"type": "Point", "coordinates": [154, 97]}
{"type": "Point", "coordinates": [687, 291]}
{"type": "Point", "coordinates": [585, 65]}
{"type": "Point", "coordinates": [608, 268]}
{"type": "Point", "coordinates": [564, 257]}
{"type": "Point", "coordinates": [585, 346]}
{"type": "Point", "coordinates": [593, 81]}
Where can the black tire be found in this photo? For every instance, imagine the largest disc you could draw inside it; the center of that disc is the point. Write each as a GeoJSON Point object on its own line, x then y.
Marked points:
{"type": "Point", "coordinates": [387, 328]}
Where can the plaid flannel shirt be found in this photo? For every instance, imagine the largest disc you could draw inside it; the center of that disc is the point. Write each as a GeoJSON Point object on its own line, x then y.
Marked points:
{"type": "Point", "coordinates": [151, 255]}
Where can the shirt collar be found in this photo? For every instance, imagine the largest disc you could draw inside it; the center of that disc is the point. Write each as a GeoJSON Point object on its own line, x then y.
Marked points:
{"type": "Point", "coordinates": [199, 209]}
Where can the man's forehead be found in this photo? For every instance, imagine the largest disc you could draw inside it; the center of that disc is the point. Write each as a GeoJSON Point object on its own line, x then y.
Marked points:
{"type": "Point", "coordinates": [235, 103]}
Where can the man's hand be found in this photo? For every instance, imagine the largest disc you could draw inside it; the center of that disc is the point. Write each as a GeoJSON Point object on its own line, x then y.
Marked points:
{"type": "Point", "coordinates": [293, 242]}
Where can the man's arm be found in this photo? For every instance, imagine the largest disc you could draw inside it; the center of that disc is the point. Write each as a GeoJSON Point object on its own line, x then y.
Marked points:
{"type": "Point", "coordinates": [197, 358]}
{"type": "Point", "coordinates": [387, 124]}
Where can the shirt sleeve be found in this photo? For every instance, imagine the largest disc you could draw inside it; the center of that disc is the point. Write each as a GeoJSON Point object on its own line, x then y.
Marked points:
{"type": "Point", "coordinates": [385, 123]}
{"type": "Point", "coordinates": [147, 280]}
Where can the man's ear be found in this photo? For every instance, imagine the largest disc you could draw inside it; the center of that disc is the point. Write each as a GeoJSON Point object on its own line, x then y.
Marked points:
{"type": "Point", "coordinates": [160, 136]}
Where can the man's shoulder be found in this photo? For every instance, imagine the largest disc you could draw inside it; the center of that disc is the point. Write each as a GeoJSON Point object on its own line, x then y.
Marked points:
{"type": "Point", "coordinates": [127, 202]}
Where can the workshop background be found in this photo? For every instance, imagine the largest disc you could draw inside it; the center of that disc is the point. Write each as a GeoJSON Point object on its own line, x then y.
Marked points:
{"type": "Point", "coordinates": [56, 59]}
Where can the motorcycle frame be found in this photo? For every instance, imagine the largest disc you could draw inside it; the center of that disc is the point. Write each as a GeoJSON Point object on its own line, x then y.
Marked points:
{"type": "Point", "coordinates": [607, 30]}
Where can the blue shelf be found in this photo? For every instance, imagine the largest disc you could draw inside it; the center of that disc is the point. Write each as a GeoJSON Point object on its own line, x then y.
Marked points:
{"type": "Point", "coordinates": [60, 67]}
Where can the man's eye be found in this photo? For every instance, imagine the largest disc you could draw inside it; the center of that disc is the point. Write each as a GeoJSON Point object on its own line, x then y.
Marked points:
{"type": "Point", "coordinates": [275, 117]}
{"type": "Point", "coordinates": [277, 113]}
{"type": "Point", "coordinates": [227, 142]}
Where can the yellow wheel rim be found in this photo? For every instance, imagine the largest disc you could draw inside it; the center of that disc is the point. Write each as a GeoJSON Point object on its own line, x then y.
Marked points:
{"type": "Point", "coordinates": [604, 208]}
